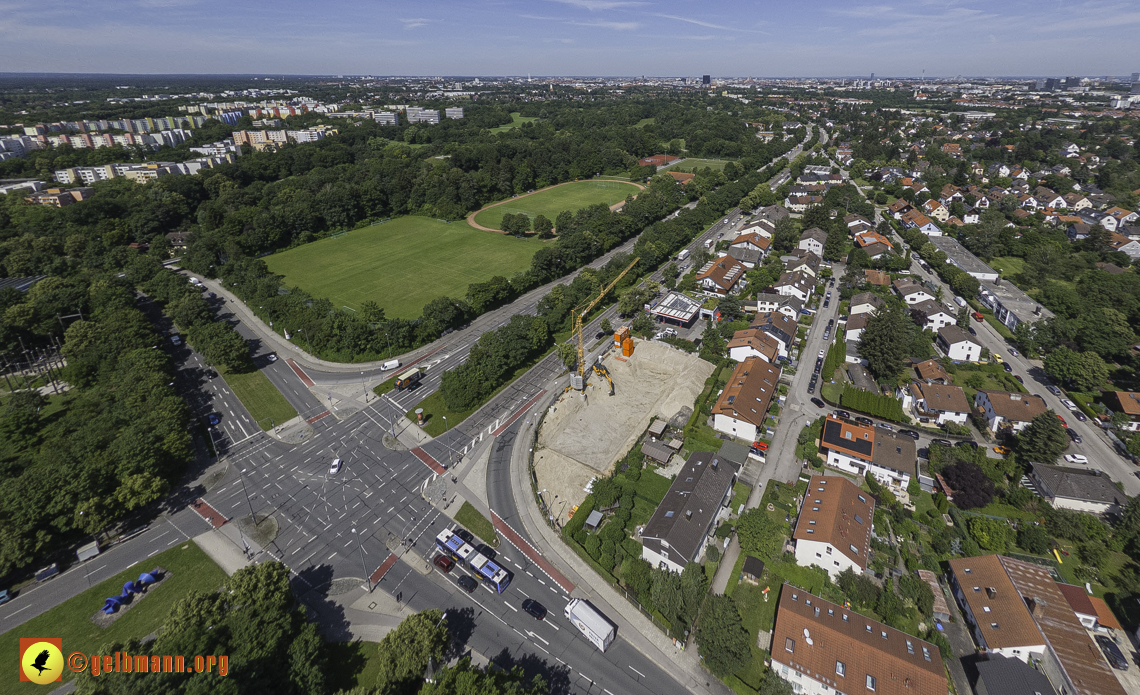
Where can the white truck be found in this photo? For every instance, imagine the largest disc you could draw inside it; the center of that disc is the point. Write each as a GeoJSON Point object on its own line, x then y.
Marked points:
{"type": "Point", "coordinates": [390, 364]}
{"type": "Point", "coordinates": [708, 243]}
{"type": "Point", "coordinates": [596, 627]}
{"type": "Point", "coordinates": [959, 301]}
{"type": "Point", "coordinates": [683, 255]}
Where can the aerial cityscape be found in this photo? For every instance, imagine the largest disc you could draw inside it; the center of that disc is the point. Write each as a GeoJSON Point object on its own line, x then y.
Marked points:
{"type": "Point", "coordinates": [384, 357]}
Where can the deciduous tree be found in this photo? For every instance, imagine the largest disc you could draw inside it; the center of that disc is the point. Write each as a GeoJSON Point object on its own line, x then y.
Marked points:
{"type": "Point", "coordinates": [721, 638]}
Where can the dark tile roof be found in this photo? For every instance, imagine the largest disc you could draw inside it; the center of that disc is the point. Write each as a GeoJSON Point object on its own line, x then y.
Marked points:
{"type": "Point", "coordinates": [688, 509]}
{"type": "Point", "coordinates": [1078, 484]}
{"type": "Point", "coordinates": [849, 437]}
{"type": "Point", "coordinates": [1000, 675]}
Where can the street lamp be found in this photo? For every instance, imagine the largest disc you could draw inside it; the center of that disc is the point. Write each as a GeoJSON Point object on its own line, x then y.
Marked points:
{"type": "Point", "coordinates": [364, 387]}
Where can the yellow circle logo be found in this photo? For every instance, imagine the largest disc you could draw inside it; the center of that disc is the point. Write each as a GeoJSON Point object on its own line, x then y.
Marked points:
{"type": "Point", "coordinates": [42, 663]}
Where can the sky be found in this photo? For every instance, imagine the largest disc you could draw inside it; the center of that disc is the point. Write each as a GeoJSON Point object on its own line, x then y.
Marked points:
{"type": "Point", "coordinates": [762, 38]}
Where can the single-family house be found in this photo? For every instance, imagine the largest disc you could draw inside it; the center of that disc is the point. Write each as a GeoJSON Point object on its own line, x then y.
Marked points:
{"type": "Point", "coordinates": [941, 403]}
{"type": "Point", "coordinates": [866, 302]}
{"type": "Point", "coordinates": [834, 526]}
{"type": "Point", "coordinates": [813, 240]}
{"type": "Point", "coordinates": [780, 327]}
{"type": "Point", "coordinates": [785, 304]}
{"type": "Point", "coordinates": [958, 345]}
{"type": "Point", "coordinates": [855, 326]}
{"type": "Point", "coordinates": [1005, 409]}
{"type": "Point", "coordinates": [859, 450]}
{"type": "Point", "coordinates": [1127, 402]}
{"type": "Point", "coordinates": [797, 285]}
{"type": "Point", "coordinates": [682, 524]}
{"type": "Point", "coordinates": [932, 372]}
{"type": "Point", "coordinates": [911, 292]}
{"type": "Point", "coordinates": [936, 210]}
{"type": "Point", "coordinates": [753, 342]}
{"type": "Point", "coordinates": [931, 315]}
{"type": "Point", "coordinates": [742, 407]}
{"type": "Point", "coordinates": [1121, 243]}
{"type": "Point", "coordinates": [720, 276]}
{"type": "Point", "coordinates": [1079, 489]}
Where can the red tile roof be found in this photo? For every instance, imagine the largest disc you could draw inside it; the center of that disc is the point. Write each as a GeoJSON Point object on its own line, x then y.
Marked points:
{"type": "Point", "coordinates": [836, 511]}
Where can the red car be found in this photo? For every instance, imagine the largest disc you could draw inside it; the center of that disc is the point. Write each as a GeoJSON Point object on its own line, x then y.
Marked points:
{"type": "Point", "coordinates": [444, 563]}
{"type": "Point", "coordinates": [1063, 423]}
{"type": "Point", "coordinates": [760, 445]}
{"type": "Point", "coordinates": [977, 316]}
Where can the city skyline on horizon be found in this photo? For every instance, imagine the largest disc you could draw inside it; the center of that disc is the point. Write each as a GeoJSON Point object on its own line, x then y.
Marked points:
{"type": "Point", "coordinates": [598, 38]}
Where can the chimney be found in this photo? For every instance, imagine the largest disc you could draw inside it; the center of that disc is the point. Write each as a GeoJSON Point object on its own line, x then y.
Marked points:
{"type": "Point", "coordinates": [714, 463]}
{"type": "Point", "coordinates": [688, 515]}
{"type": "Point", "coordinates": [991, 592]}
{"type": "Point", "coordinates": [1036, 607]}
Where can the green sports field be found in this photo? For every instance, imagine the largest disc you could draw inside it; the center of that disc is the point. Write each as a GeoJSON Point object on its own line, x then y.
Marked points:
{"type": "Point", "coordinates": [517, 119]}
{"type": "Point", "coordinates": [572, 197]}
{"type": "Point", "coordinates": [403, 264]}
{"type": "Point", "coordinates": [691, 165]}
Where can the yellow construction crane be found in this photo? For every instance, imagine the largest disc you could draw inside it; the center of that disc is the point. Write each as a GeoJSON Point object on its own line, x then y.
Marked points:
{"type": "Point", "coordinates": [580, 314]}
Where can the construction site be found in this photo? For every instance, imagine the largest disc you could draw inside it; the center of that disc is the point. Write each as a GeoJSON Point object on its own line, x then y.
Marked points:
{"type": "Point", "coordinates": [585, 432]}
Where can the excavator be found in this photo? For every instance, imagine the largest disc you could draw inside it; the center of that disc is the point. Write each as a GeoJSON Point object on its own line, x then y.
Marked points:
{"type": "Point", "coordinates": [600, 370]}
{"type": "Point", "coordinates": [578, 381]}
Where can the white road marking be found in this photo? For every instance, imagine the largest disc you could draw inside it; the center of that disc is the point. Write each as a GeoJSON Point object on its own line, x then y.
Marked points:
{"type": "Point", "coordinates": [516, 610]}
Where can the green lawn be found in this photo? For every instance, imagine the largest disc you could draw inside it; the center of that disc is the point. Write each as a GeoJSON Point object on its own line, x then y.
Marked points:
{"type": "Point", "coordinates": [401, 265]}
{"type": "Point", "coordinates": [261, 398]}
{"type": "Point", "coordinates": [517, 120]}
{"type": "Point", "coordinates": [694, 164]}
{"type": "Point", "coordinates": [572, 196]}
{"type": "Point", "coordinates": [357, 665]}
{"type": "Point", "coordinates": [1008, 266]}
{"type": "Point", "coordinates": [71, 620]}
{"type": "Point", "coordinates": [470, 518]}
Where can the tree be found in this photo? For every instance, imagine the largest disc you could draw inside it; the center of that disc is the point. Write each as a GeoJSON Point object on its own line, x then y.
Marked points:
{"type": "Point", "coordinates": [1043, 440]}
{"type": "Point", "coordinates": [405, 651]}
{"type": "Point", "coordinates": [971, 487]}
{"type": "Point", "coordinates": [721, 639]}
{"type": "Point", "coordinates": [543, 227]}
{"type": "Point", "coordinates": [774, 685]}
{"type": "Point", "coordinates": [963, 320]}
{"type": "Point", "coordinates": [834, 246]}
{"type": "Point", "coordinates": [858, 588]}
{"type": "Point", "coordinates": [786, 235]}
{"type": "Point", "coordinates": [1033, 538]}
{"type": "Point", "coordinates": [758, 534]}
{"type": "Point", "coordinates": [465, 679]}
{"type": "Point", "coordinates": [606, 326]}
{"type": "Point", "coordinates": [990, 534]}
{"type": "Point", "coordinates": [885, 341]}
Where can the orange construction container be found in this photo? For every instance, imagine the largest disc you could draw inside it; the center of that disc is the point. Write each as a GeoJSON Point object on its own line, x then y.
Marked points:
{"type": "Point", "coordinates": [620, 335]}
{"type": "Point", "coordinates": [627, 347]}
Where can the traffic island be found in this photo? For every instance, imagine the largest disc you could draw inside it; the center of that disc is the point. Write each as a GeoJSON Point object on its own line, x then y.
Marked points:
{"type": "Point", "coordinates": [261, 530]}
{"type": "Point", "coordinates": [104, 620]}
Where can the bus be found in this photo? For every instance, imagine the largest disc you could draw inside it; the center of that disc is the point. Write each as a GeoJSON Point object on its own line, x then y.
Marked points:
{"type": "Point", "coordinates": [485, 570]}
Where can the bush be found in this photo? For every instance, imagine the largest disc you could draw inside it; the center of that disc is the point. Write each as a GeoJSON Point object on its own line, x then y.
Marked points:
{"type": "Point", "coordinates": [712, 553]}
{"type": "Point", "coordinates": [873, 404]}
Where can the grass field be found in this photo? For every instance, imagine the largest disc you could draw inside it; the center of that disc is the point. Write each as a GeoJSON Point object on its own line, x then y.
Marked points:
{"type": "Point", "coordinates": [71, 620]}
{"type": "Point", "coordinates": [691, 165]}
{"type": "Point", "coordinates": [518, 119]}
{"type": "Point", "coordinates": [403, 264]}
{"type": "Point", "coordinates": [1008, 266]}
{"type": "Point", "coordinates": [470, 518]}
{"type": "Point", "coordinates": [261, 398]}
{"type": "Point", "coordinates": [550, 202]}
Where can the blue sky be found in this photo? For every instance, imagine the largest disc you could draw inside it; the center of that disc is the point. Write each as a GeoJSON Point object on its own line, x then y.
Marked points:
{"type": "Point", "coordinates": [573, 37]}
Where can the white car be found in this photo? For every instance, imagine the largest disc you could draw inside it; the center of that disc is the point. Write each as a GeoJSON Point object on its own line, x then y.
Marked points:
{"type": "Point", "coordinates": [1076, 458]}
{"type": "Point", "coordinates": [335, 467]}
{"type": "Point", "coordinates": [821, 353]}
{"type": "Point", "coordinates": [272, 357]}
{"type": "Point", "coordinates": [1068, 404]}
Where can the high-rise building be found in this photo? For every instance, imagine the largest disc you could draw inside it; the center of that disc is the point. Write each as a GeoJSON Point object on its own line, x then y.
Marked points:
{"type": "Point", "coordinates": [453, 112]}
{"type": "Point", "coordinates": [1136, 77]}
{"type": "Point", "coordinates": [872, 75]}
{"type": "Point", "coordinates": [1072, 82]}
{"type": "Point", "coordinates": [706, 80]}
{"type": "Point", "coordinates": [1052, 84]}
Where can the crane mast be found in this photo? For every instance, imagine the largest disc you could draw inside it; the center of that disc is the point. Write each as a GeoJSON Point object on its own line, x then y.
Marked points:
{"type": "Point", "coordinates": [580, 314]}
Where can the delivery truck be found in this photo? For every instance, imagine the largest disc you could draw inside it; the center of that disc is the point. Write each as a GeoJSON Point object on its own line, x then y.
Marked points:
{"type": "Point", "coordinates": [959, 301]}
{"type": "Point", "coordinates": [390, 364]}
{"type": "Point", "coordinates": [408, 379]}
{"type": "Point", "coordinates": [683, 255]}
{"type": "Point", "coordinates": [596, 627]}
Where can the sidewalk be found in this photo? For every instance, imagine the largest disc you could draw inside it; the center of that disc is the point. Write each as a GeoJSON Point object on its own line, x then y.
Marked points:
{"type": "Point", "coordinates": [683, 665]}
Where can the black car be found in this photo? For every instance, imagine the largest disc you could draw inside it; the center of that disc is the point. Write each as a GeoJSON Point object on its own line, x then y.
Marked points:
{"type": "Point", "coordinates": [941, 442]}
{"type": "Point", "coordinates": [818, 403]}
{"type": "Point", "coordinates": [971, 329]}
{"type": "Point", "coordinates": [969, 442]}
{"type": "Point", "coordinates": [1073, 435]}
{"type": "Point", "coordinates": [1006, 367]}
{"type": "Point", "coordinates": [465, 535]}
{"type": "Point", "coordinates": [1112, 653]}
{"type": "Point", "coordinates": [865, 421]}
{"type": "Point", "coordinates": [534, 609]}
{"type": "Point", "coordinates": [910, 433]}
{"type": "Point", "coordinates": [843, 414]}
{"type": "Point", "coordinates": [1079, 415]}
{"type": "Point", "coordinates": [811, 387]}
{"type": "Point", "coordinates": [818, 364]}
{"type": "Point", "coordinates": [467, 583]}
{"type": "Point", "coordinates": [1019, 379]}
{"type": "Point", "coordinates": [485, 551]}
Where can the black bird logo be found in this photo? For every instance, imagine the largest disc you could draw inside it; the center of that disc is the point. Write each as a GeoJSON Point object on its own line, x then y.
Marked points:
{"type": "Point", "coordinates": [41, 659]}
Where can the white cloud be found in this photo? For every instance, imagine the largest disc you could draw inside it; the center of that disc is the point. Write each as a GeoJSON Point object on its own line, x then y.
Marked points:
{"type": "Point", "coordinates": [414, 23]}
{"type": "Point", "coordinates": [698, 22]}
{"type": "Point", "coordinates": [605, 24]}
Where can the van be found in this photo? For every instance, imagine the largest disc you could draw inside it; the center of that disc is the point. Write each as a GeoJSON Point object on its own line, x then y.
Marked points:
{"type": "Point", "coordinates": [390, 364]}
{"type": "Point", "coordinates": [959, 301]}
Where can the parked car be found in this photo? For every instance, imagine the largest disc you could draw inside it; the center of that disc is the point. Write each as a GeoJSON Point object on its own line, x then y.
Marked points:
{"type": "Point", "coordinates": [821, 354]}
{"type": "Point", "coordinates": [485, 551]}
{"type": "Point", "coordinates": [910, 433]}
{"type": "Point", "coordinates": [534, 609]}
{"type": "Point", "coordinates": [175, 340]}
{"type": "Point", "coordinates": [1053, 390]}
{"type": "Point", "coordinates": [467, 583]}
{"type": "Point", "coordinates": [826, 333]}
{"type": "Point", "coordinates": [1019, 379]}
{"type": "Point", "coordinates": [969, 442]}
{"type": "Point", "coordinates": [818, 364]}
{"type": "Point", "coordinates": [972, 331]}
{"type": "Point", "coordinates": [443, 562]}
{"type": "Point", "coordinates": [811, 387]}
{"type": "Point", "coordinates": [941, 442]}
{"type": "Point", "coordinates": [818, 403]}
{"type": "Point", "coordinates": [1073, 435]}
{"type": "Point", "coordinates": [1112, 653]}
{"type": "Point", "coordinates": [843, 414]}
{"type": "Point", "coordinates": [995, 357]}
{"type": "Point", "coordinates": [885, 426]}
{"type": "Point", "coordinates": [865, 421]}
{"type": "Point", "coordinates": [1063, 423]}
{"type": "Point", "coordinates": [1002, 450]}
{"type": "Point", "coordinates": [762, 446]}
{"type": "Point", "coordinates": [335, 467]}
{"type": "Point", "coordinates": [5, 597]}
{"type": "Point", "coordinates": [1008, 369]}
{"type": "Point", "coordinates": [1068, 404]}
{"type": "Point", "coordinates": [1077, 458]}
{"type": "Point", "coordinates": [1080, 416]}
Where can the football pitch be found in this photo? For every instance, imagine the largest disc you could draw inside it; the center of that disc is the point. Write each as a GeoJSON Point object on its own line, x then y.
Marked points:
{"type": "Point", "coordinates": [690, 165]}
{"type": "Point", "coordinates": [402, 264]}
{"type": "Point", "coordinates": [572, 196]}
